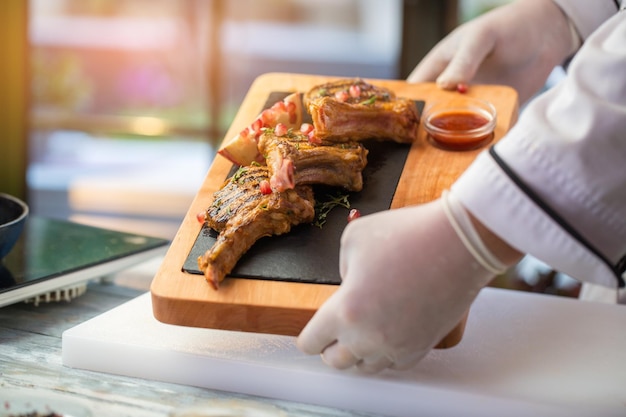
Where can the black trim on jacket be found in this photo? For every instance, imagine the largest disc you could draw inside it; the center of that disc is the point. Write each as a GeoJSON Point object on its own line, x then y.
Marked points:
{"type": "Point", "coordinates": [617, 269]}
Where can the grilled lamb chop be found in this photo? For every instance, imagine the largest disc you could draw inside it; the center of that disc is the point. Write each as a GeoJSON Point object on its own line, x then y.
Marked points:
{"type": "Point", "coordinates": [293, 160]}
{"type": "Point", "coordinates": [352, 109]}
{"type": "Point", "coordinates": [243, 211]}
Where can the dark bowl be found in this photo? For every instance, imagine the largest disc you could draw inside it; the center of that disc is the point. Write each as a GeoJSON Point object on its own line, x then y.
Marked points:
{"type": "Point", "coordinates": [13, 213]}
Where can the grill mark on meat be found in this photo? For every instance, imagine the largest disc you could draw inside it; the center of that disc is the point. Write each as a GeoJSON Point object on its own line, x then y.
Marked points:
{"type": "Point", "coordinates": [238, 190]}
{"type": "Point", "coordinates": [292, 160]}
{"type": "Point", "coordinates": [242, 214]}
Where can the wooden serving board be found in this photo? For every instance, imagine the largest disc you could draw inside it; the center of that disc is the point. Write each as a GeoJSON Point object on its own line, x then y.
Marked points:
{"type": "Point", "coordinates": [282, 307]}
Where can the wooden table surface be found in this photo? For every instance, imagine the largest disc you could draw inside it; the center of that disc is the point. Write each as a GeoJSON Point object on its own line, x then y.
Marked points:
{"type": "Point", "coordinates": [30, 360]}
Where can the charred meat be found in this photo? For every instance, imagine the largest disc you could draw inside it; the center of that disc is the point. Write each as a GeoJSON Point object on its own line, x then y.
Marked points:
{"type": "Point", "coordinates": [293, 160]}
{"type": "Point", "coordinates": [352, 109]}
{"type": "Point", "coordinates": [243, 211]}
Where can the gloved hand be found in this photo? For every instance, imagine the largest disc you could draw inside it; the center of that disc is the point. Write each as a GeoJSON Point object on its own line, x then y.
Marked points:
{"type": "Point", "coordinates": [407, 280]}
{"type": "Point", "coordinates": [517, 44]}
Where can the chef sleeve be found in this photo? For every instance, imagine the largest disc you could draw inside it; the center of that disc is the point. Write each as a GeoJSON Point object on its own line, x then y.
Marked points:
{"type": "Point", "coordinates": [555, 186]}
{"type": "Point", "coordinates": [587, 16]}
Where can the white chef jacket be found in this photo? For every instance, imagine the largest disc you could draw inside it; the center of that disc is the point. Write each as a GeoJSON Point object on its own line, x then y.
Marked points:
{"type": "Point", "coordinates": [558, 191]}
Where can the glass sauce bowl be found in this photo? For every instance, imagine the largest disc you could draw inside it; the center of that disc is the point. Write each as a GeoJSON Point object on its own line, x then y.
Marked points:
{"type": "Point", "coordinates": [460, 123]}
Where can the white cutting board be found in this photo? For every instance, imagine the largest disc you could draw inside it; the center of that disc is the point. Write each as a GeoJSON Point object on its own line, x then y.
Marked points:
{"type": "Point", "coordinates": [522, 355]}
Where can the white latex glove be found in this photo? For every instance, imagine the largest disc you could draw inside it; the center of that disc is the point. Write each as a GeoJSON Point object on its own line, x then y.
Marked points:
{"type": "Point", "coordinates": [407, 280]}
{"type": "Point", "coordinates": [518, 45]}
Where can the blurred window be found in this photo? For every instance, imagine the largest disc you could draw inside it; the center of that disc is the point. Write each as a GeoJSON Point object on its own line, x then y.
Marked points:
{"type": "Point", "coordinates": [130, 98]}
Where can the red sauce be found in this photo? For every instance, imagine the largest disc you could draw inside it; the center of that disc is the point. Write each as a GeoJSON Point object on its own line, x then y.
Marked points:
{"type": "Point", "coordinates": [455, 124]}
{"type": "Point", "coordinates": [459, 121]}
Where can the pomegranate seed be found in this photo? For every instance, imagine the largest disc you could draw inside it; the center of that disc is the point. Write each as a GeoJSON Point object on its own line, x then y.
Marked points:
{"type": "Point", "coordinates": [200, 217]}
{"type": "Point", "coordinates": [314, 140]}
{"type": "Point", "coordinates": [342, 96]}
{"type": "Point", "coordinates": [265, 187]}
{"type": "Point", "coordinates": [461, 88]}
{"type": "Point", "coordinates": [306, 128]}
{"type": "Point", "coordinates": [280, 106]}
{"type": "Point", "coordinates": [256, 126]}
{"type": "Point", "coordinates": [267, 117]}
{"type": "Point", "coordinates": [355, 91]}
{"type": "Point", "coordinates": [280, 130]}
{"type": "Point", "coordinates": [354, 214]}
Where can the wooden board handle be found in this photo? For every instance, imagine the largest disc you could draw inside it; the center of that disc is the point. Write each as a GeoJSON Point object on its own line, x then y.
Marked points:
{"type": "Point", "coordinates": [455, 335]}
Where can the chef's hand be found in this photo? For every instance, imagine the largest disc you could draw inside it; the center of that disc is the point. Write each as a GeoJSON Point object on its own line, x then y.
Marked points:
{"type": "Point", "coordinates": [517, 44]}
{"type": "Point", "coordinates": [407, 280]}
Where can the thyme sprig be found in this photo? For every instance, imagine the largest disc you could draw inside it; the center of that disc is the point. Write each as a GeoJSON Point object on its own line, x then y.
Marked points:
{"type": "Point", "coordinates": [237, 176]}
{"type": "Point", "coordinates": [323, 208]}
{"type": "Point", "coordinates": [371, 100]}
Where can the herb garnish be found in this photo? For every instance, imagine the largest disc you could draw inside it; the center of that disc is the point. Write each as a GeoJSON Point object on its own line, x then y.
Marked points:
{"type": "Point", "coordinates": [369, 101]}
{"type": "Point", "coordinates": [240, 172]}
{"type": "Point", "coordinates": [323, 208]}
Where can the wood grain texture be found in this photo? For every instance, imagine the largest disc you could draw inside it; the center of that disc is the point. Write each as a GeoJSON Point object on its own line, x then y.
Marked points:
{"type": "Point", "coordinates": [284, 307]}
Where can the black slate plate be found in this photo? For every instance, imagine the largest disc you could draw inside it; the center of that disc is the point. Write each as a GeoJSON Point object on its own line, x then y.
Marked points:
{"type": "Point", "coordinates": [308, 253]}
